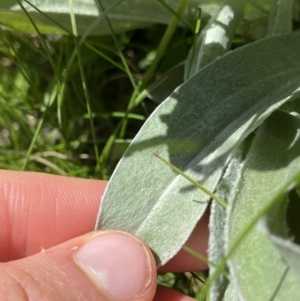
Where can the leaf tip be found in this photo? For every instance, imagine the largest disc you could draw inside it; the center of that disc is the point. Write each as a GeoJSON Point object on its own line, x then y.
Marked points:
{"type": "Point", "coordinates": [156, 155]}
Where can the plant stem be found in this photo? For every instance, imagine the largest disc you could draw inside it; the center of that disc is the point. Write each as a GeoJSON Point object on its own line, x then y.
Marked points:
{"type": "Point", "coordinates": [160, 51]}
{"type": "Point", "coordinates": [163, 45]}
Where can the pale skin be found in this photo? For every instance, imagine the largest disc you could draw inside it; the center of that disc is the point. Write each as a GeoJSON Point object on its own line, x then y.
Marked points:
{"type": "Point", "coordinates": [46, 219]}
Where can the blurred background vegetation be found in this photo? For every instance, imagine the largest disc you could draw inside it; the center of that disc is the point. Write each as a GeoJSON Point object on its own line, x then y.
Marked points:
{"type": "Point", "coordinates": [45, 130]}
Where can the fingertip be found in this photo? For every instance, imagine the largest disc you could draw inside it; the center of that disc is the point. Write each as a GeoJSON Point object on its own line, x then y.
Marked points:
{"type": "Point", "coordinates": [120, 264]}
{"type": "Point", "coordinates": [107, 265]}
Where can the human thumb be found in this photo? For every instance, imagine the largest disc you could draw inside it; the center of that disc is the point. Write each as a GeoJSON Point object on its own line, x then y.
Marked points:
{"type": "Point", "coordinates": [105, 265]}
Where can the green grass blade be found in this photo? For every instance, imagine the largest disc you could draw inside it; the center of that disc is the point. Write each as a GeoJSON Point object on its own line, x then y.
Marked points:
{"type": "Point", "coordinates": [180, 172]}
{"type": "Point", "coordinates": [33, 141]}
{"type": "Point", "coordinates": [42, 41]}
{"type": "Point", "coordinates": [163, 44]}
{"type": "Point", "coordinates": [105, 57]}
{"type": "Point", "coordinates": [202, 258]}
{"type": "Point", "coordinates": [101, 8]}
{"type": "Point", "coordinates": [175, 13]}
{"type": "Point", "coordinates": [84, 84]}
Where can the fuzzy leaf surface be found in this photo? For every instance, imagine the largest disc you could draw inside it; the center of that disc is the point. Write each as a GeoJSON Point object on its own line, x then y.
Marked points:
{"type": "Point", "coordinates": [274, 227]}
{"type": "Point", "coordinates": [197, 129]}
{"type": "Point", "coordinates": [215, 39]}
{"type": "Point", "coordinates": [231, 293]}
{"type": "Point", "coordinates": [271, 163]}
{"type": "Point", "coordinates": [280, 18]}
{"type": "Point", "coordinates": [216, 244]}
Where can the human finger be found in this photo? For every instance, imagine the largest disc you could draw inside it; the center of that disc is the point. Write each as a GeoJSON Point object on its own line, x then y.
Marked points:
{"type": "Point", "coordinates": [108, 266]}
{"type": "Point", "coordinates": [39, 211]}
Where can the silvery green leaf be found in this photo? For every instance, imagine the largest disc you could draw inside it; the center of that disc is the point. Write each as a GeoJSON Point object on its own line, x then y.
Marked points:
{"type": "Point", "coordinates": [231, 293]}
{"type": "Point", "coordinates": [274, 226]}
{"type": "Point", "coordinates": [226, 190]}
{"type": "Point", "coordinates": [289, 251]}
{"type": "Point", "coordinates": [272, 162]}
{"type": "Point", "coordinates": [197, 128]}
{"type": "Point", "coordinates": [280, 18]}
{"type": "Point", "coordinates": [215, 39]}
{"type": "Point", "coordinates": [216, 249]}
